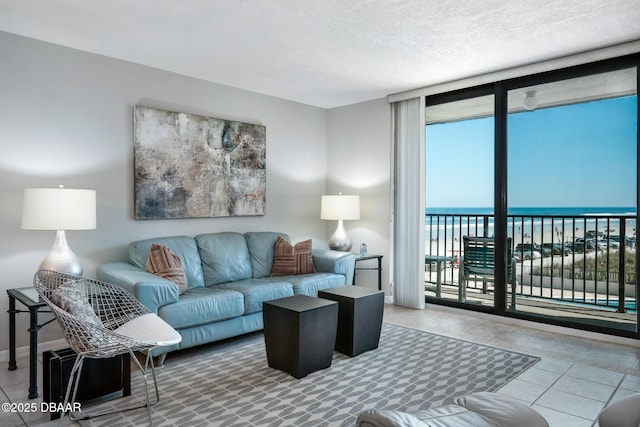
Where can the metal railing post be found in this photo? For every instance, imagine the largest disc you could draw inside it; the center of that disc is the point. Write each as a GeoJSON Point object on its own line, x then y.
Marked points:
{"type": "Point", "coordinates": [621, 265]}
{"type": "Point", "coordinates": [485, 226]}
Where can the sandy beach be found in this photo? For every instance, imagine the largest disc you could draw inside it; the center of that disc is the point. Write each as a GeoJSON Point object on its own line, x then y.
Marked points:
{"type": "Point", "coordinates": [444, 237]}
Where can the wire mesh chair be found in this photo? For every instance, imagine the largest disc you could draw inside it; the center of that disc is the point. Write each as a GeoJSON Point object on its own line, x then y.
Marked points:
{"type": "Point", "coordinates": [102, 320]}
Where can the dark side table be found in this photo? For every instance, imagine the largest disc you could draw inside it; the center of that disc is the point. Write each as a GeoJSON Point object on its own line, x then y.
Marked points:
{"type": "Point", "coordinates": [300, 333]}
{"type": "Point", "coordinates": [30, 299]}
{"type": "Point", "coordinates": [360, 258]}
{"type": "Point", "coordinates": [360, 313]}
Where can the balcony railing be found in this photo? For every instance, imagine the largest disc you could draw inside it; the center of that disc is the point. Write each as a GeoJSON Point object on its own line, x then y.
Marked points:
{"type": "Point", "coordinates": [589, 260]}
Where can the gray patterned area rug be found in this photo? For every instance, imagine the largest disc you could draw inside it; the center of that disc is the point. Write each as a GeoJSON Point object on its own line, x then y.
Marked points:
{"type": "Point", "coordinates": [230, 384]}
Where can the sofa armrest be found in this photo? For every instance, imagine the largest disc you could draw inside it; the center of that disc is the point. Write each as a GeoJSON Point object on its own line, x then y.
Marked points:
{"type": "Point", "coordinates": [621, 413]}
{"type": "Point", "coordinates": [328, 261]}
{"type": "Point", "coordinates": [151, 290]}
{"type": "Point", "coordinates": [502, 410]}
{"type": "Point", "coordinates": [387, 418]}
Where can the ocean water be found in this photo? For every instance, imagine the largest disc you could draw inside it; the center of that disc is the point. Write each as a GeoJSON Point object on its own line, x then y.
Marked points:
{"type": "Point", "coordinates": [537, 211]}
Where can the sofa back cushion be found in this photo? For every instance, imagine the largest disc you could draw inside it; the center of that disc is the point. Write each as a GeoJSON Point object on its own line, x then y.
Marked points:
{"type": "Point", "coordinates": [183, 246]}
{"type": "Point", "coordinates": [261, 246]}
{"type": "Point", "coordinates": [225, 257]}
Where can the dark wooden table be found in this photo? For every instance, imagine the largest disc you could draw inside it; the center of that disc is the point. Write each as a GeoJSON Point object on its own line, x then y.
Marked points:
{"type": "Point", "coordinates": [359, 318]}
{"type": "Point", "coordinates": [300, 333]}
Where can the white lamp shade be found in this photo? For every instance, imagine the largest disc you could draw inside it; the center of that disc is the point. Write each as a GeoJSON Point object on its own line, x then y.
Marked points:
{"type": "Point", "coordinates": [58, 209]}
{"type": "Point", "coordinates": [340, 207]}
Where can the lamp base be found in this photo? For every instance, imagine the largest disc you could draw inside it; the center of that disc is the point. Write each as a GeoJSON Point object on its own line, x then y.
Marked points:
{"type": "Point", "coordinates": [61, 258]}
{"type": "Point", "coordinates": [339, 241]}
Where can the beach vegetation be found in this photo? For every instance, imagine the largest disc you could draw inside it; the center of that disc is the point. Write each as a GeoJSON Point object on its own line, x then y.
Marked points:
{"type": "Point", "coordinates": [605, 266]}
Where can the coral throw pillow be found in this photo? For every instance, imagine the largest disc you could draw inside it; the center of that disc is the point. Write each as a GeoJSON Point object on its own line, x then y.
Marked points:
{"type": "Point", "coordinates": [288, 260]}
{"type": "Point", "coordinates": [164, 263]}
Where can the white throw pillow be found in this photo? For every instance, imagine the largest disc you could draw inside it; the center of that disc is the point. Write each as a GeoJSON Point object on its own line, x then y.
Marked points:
{"type": "Point", "coordinates": [69, 298]}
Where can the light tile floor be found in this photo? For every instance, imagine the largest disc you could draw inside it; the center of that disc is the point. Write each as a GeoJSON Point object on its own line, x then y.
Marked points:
{"type": "Point", "coordinates": [579, 372]}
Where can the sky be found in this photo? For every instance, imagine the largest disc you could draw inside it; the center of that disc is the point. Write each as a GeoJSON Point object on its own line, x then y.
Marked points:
{"type": "Point", "coordinates": [570, 156]}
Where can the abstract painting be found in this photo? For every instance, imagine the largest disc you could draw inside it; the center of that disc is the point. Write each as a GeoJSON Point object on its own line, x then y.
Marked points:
{"type": "Point", "coordinates": [189, 166]}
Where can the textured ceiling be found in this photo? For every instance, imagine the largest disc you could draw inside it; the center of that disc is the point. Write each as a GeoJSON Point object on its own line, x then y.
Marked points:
{"type": "Point", "coordinates": [327, 53]}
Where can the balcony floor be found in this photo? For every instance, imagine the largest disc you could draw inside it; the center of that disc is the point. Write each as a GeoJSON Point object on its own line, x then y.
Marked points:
{"type": "Point", "coordinates": [557, 309]}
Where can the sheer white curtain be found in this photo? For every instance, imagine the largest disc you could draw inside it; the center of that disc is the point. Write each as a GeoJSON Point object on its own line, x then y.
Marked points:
{"type": "Point", "coordinates": [407, 268]}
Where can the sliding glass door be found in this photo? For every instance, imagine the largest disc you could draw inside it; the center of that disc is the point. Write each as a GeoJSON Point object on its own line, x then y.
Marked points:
{"type": "Point", "coordinates": [572, 186]}
{"type": "Point", "coordinates": [546, 168]}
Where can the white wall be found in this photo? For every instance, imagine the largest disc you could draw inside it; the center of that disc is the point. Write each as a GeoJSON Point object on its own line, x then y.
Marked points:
{"type": "Point", "coordinates": [359, 162]}
{"type": "Point", "coordinates": [66, 117]}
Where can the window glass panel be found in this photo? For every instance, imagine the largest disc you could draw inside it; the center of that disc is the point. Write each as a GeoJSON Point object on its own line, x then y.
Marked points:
{"type": "Point", "coordinates": [459, 138]}
{"type": "Point", "coordinates": [459, 190]}
{"type": "Point", "coordinates": [572, 185]}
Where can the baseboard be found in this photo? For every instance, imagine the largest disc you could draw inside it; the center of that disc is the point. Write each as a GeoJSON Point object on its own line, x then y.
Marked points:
{"type": "Point", "coordinates": [23, 352]}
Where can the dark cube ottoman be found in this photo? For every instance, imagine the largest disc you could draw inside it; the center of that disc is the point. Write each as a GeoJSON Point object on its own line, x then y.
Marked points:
{"type": "Point", "coordinates": [359, 317]}
{"type": "Point", "coordinates": [300, 333]}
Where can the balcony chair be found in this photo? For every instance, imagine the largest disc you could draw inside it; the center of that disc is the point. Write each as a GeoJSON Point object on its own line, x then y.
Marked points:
{"type": "Point", "coordinates": [101, 320]}
{"type": "Point", "coordinates": [478, 263]}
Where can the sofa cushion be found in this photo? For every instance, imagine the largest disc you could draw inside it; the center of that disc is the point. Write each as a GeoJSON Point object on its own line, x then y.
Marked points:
{"type": "Point", "coordinates": [310, 284]}
{"type": "Point", "coordinates": [164, 263]}
{"type": "Point", "coordinates": [199, 306]}
{"type": "Point", "coordinates": [292, 259]}
{"type": "Point", "coordinates": [257, 291]}
{"type": "Point", "coordinates": [261, 245]}
{"type": "Point", "coordinates": [183, 246]}
{"type": "Point", "coordinates": [225, 257]}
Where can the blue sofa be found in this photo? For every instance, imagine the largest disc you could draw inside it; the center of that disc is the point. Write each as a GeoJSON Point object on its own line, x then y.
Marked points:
{"type": "Point", "coordinates": [228, 277]}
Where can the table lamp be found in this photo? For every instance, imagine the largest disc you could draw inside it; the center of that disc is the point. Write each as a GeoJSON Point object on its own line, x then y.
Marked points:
{"type": "Point", "coordinates": [59, 209]}
{"type": "Point", "coordinates": [340, 208]}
